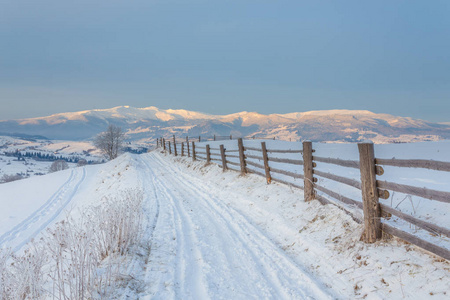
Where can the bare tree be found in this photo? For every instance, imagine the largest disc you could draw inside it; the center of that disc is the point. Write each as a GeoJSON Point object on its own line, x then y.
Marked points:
{"type": "Point", "coordinates": [58, 165]}
{"type": "Point", "coordinates": [111, 141]}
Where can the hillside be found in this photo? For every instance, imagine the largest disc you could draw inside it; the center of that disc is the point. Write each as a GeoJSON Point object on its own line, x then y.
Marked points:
{"type": "Point", "coordinates": [146, 124]}
{"type": "Point", "coordinates": [209, 235]}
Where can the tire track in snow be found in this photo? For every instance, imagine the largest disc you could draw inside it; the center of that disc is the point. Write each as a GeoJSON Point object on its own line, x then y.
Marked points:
{"type": "Point", "coordinates": [48, 211]}
{"type": "Point", "coordinates": [188, 274]}
{"type": "Point", "coordinates": [223, 229]}
{"type": "Point", "coordinates": [244, 232]}
{"type": "Point", "coordinates": [280, 276]}
{"type": "Point", "coordinates": [151, 217]}
{"type": "Point", "coordinates": [163, 249]}
{"type": "Point", "coordinates": [241, 236]}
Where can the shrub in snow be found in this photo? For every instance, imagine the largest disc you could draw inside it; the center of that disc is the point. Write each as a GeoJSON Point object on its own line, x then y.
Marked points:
{"type": "Point", "coordinates": [5, 274]}
{"type": "Point", "coordinates": [59, 165]}
{"type": "Point", "coordinates": [23, 277]}
{"type": "Point", "coordinates": [83, 250]}
{"type": "Point", "coordinates": [77, 259]}
{"type": "Point", "coordinates": [9, 178]}
{"type": "Point", "coordinates": [82, 162]}
{"type": "Point", "coordinates": [118, 222]}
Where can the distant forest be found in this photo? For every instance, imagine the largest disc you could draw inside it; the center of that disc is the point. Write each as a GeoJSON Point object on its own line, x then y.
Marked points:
{"type": "Point", "coordinates": [39, 156]}
{"type": "Point", "coordinates": [46, 157]}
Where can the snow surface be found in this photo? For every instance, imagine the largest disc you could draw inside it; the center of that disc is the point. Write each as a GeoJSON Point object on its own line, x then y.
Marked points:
{"type": "Point", "coordinates": [428, 210]}
{"type": "Point", "coordinates": [29, 167]}
{"type": "Point", "coordinates": [216, 235]}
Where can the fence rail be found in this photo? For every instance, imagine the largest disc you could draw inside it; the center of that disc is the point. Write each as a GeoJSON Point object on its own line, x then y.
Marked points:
{"type": "Point", "coordinates": [339, 162]}
{"type": "Point", "coordinates": [233, 163]}
{"type": "Point", "coordinates": [254, 157]}
{"type": "Point", "coordinates": [338, 196]}
{"type": "Point", "coordinates": [284, 151]}
{"type": "Point", "coordinates": [221, 138]}
{"type": "Point", "coordinates": [255, 165]}
{"type": "Point", "coordinates": [344, 180]}
{"type": "Point", "coordinates": [252, 149]}
{"type": "Point", "coordinates": [433, 228]}
{"type": "Point", "coordinates": [287, 161]}
{"type": "Point", "coordinates": [412, 190]}
{"type": "Point", "coordinates": [287, 173]}
{"type": "Point", "coordinates": [415, 163]}
{"type": "Point", "coordinates": [376, 215]}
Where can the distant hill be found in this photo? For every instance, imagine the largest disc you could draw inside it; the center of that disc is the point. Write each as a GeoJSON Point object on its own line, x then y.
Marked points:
{"type": "Point", "coordinates": [24, 136]}
{"type": "Point", "coordinates": [151, 122]}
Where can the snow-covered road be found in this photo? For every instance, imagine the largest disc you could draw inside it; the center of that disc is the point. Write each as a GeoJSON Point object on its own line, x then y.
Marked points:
{"type": "Point", "coordinates": [202, 248]}
{"type": "Point", "coordinates": [215, 235]}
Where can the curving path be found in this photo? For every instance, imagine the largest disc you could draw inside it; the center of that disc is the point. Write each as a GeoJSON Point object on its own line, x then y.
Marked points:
{"type": "Point", "coordinates": [203, 249]}
{"type": "Point", "coordinates": [26, 230]}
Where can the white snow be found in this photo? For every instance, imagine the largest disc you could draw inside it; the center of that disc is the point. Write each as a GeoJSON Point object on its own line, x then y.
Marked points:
{"type": "Point", "coordinates": [215, 235]}
{"type": "Point", "coordinates": [32, 209]}
{"type": "Point", "coordinates": [29, 167]}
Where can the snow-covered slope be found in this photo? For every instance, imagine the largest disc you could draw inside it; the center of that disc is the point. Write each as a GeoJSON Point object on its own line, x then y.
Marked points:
{"type": "Point", "coordinates": [215, 235]}
{"type": "Point", "coordinates": [151, 122]}
{"type": "Point", "coordinates": [36, 156]}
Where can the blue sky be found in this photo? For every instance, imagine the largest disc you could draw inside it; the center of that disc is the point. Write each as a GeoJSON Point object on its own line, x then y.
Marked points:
{"type": "Point", "coordinates": [225, 56]}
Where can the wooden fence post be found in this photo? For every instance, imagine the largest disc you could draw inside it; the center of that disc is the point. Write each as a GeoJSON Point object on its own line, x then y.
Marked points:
{"type": "Point", "coordinates": [164, 143]}
{"type": "Point", "coordinates": [174, 146]}
{"type": "Point", "coordinates": [242, 156]}
{"type": "Point", "coordinates": [187, 144]}
{"type": "Point", "coordinates": [266, 162]}
{"type": "Point", "coordinates": [308, 181]}
{"type": "Point", "coordinates": [371, 207]}
{"type": "Point", "coordinates": [157, 143]}
{"type": "Point", "coordinates": [182, 148]}
{"type": "Point", "coordinates": [193, 151]}
{"type": "Point", "coordinates": [199, 139]}
{"type": "Point", "coordinates": [224, 159]}
{"type": "Point", "coordinates": [208, 154]}
{"type": "Point", "coordinates": [170, 149]}
{"type": "Point", "coordinates": [231, 137]}
{"type": "Point", "coordinates": [214, 137]}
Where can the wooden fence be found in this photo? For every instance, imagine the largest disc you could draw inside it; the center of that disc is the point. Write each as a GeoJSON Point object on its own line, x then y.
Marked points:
{"type": "Point", "coordinates": [245, 159]}
{"type": "Point", "coordinates": [199, 138]}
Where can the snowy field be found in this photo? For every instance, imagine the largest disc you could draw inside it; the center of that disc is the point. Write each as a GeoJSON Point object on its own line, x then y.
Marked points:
{"type": "Point", "coordinates": [215, 235]}
{"type": "Point", "coordinates": [428, 210]}
{"type": "Point", "coordinates": [28, 167]}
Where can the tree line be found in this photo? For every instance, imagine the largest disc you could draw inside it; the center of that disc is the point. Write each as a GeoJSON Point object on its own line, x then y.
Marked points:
{"type": "Point", "coordinates": [45, 157]}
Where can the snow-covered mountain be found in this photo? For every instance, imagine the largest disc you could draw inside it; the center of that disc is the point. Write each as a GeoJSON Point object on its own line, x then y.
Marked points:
{"type": "Point", "coordinates": [151, 122]}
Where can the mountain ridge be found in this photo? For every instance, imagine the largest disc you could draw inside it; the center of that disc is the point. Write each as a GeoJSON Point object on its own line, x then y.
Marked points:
{"type": "Point", "coordinates": [339, 125]}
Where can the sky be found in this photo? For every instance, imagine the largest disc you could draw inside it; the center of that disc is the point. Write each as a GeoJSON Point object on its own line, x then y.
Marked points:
{"type": "Point", "coordinates": [225, 56]}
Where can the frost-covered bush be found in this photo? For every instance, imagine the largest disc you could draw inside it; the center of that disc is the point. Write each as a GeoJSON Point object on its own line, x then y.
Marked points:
{"type": "Point", "coordinates": [5, 273]}
{"type": "Point", "coordinates": [76, 258]}
{"type": "Point", "coordinates": [10, 178]}
{"type": "Point", "coordinates": [23, 276]}
{"type": "Point", "coordinates": [117, 222]}
{"type": "Point", "coordinates": [72, 250]}
{"type": "Point", "coordinates": [82, 162]}
{"type": "Point", "coordinates": [80, 248]}
{"type": "Point", "coordinates": [59, 165]}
